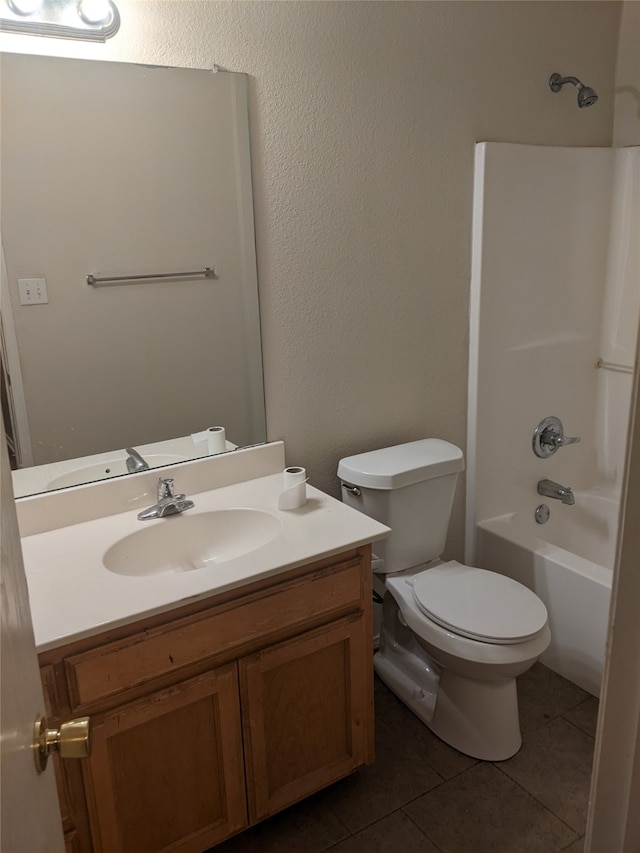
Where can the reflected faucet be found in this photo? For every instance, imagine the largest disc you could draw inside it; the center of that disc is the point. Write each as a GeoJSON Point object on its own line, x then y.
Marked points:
{"type": "Point", "coordinates": [168, 502]}
{"type": "Point", "coordinates": [135, 462]}
{"type": "Point", "coordinates": [554, 490]}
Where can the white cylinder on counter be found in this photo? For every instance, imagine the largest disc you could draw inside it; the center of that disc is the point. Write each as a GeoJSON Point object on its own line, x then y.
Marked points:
{"type": "Point", "coordinates": [294, 494]}
{"type": "Point", "coordinates": [216, 439]}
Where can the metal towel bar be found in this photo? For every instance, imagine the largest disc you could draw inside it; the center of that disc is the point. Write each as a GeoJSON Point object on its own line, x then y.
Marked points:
{"type": "Point", "coordinates": [616, 368]}
{"type": "Point", "coordinates": [207, 272]}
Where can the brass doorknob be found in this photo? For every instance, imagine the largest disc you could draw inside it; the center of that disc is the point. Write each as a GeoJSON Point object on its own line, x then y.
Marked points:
{"type": "Point", "coordinates": [71, 740]}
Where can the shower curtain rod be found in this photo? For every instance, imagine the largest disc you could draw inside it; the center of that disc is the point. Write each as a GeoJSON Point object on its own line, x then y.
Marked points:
{"type": "Point", "coordinates": [616, 368]}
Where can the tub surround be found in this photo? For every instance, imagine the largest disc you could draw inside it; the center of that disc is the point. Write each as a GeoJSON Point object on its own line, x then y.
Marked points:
{"type": "Point", "coordinates": [554, 291]}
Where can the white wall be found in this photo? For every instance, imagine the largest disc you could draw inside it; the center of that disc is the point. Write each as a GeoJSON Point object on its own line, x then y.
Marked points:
{"type": "Point", "coordinates": [626, 128]}
{"type": "Point", "coordinates": [364, 118]}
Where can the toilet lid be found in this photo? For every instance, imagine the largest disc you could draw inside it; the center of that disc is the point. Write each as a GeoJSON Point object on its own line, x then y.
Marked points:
{"type": "Point", "coordinates": [479, 604]}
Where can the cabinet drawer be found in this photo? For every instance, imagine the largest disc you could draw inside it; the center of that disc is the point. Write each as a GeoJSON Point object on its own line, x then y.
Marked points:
{"type": "Point", "coordinates": [116, 667]}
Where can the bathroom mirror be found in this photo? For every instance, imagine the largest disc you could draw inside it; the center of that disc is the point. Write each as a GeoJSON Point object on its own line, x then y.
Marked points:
{"type": "Point", "coordinates": [139, 174]}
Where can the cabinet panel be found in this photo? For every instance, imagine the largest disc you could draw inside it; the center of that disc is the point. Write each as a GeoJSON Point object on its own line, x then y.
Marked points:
{"type": "Point", "coordinates": [115, 667]}
{"type": "Point", "coordinates": [166, 772]}
{"type": "Point", "coordinates": [307, 708]}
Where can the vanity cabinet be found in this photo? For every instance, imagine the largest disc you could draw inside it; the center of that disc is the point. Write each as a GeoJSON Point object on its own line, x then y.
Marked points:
{"type": "Point", "coordinates": [214, 716]}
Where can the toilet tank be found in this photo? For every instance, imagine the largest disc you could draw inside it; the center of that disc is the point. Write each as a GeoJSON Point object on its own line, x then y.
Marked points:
{"type": "Point", "coordinates": [409, 488]}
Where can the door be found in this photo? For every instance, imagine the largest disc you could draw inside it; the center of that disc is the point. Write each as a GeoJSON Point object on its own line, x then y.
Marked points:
{"type": "Point", "coordinates": [307, 711]}
{"type": "Point", "coordinates": [29, 812]}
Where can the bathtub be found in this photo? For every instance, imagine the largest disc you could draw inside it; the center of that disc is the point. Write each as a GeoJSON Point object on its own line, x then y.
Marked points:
{"type": "Point", "coordinates": [568, 562]}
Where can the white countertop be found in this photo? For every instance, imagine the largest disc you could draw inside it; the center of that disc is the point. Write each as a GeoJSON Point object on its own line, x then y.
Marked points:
{"type": "Point", "coordinates": [73, 595]}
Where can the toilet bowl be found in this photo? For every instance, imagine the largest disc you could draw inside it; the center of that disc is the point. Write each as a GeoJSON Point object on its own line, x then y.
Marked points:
{"type": "Point", "coordinates": [468, 696]}
{"type": "Point", "coordinates": [453, 637]}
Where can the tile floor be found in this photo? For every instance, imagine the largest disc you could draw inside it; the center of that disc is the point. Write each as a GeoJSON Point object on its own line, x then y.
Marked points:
{"type": "Point", "coordinates": [421, 796]}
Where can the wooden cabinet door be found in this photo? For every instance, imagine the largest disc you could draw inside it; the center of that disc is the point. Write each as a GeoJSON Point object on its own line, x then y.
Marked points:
{"type": "Point", "coordinates": [166, 772]}
{"type": "Point", "coordinates": [307, 711]}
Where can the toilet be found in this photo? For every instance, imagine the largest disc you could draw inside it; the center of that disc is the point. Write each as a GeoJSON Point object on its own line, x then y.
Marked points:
{"type": "Point", "coordinates": [453, 637]}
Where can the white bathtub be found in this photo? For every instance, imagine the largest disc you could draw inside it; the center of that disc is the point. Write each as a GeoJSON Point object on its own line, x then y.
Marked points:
{"type": "Point", "coordinates": [568, 562]}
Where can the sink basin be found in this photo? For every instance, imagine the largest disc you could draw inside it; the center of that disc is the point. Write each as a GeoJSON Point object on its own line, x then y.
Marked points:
{"type": "Point", "coordinates": [186, 542]}
{"type": "Point", "coordinates": [108, 468]}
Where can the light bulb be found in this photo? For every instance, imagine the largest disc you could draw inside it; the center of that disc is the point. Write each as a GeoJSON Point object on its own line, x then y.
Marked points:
{"type": "Point", "coordinates": [25, 7]}
{"type": "Point", "coordinates": [95, 11]}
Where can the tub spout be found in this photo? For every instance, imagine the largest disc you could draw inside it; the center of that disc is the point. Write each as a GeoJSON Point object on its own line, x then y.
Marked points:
{"type": "Point", "coordinates": [554, 490]}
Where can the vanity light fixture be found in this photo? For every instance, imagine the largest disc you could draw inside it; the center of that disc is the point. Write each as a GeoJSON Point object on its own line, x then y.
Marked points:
{"type": "Point", "coordinates": [88, 20]}
{"type": "Point", "coordinates": [24, 7]}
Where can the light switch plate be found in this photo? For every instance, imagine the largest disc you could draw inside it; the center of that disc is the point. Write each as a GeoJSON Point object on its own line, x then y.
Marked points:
{"type": "Point", "coordinates": [33, 291]}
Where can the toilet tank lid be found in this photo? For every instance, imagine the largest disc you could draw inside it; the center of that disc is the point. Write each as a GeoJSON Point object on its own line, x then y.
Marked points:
{"type": "Point", "coordinates": [402, 465]}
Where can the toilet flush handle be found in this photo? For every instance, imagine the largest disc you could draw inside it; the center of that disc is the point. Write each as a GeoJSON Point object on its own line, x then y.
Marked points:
{"type": "Point", "coordinates": [353, 490]}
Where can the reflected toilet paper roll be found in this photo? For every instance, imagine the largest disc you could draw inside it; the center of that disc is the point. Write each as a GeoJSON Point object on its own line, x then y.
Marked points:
{"type": "Point", "coordinates": [294, 494]}
{"type": "Point", "coordinates": [216, 439]}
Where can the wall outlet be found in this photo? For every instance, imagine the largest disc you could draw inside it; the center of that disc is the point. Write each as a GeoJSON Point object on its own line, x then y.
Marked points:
{"type": "Point", "coordinates": [33, 291]}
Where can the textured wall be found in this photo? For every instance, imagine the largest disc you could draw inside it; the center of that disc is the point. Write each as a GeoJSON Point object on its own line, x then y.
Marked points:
{"type": "Point", "coordinates": [626, 128]}
{"type": "Point", "coordinates": [364, 116]}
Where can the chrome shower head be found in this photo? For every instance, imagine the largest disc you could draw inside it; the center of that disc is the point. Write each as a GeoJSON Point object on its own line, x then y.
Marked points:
{"type": "Point", "coordinates": [586, 95]}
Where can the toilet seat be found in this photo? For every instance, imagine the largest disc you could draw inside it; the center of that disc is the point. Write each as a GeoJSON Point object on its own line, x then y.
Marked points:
{"type": "Point", "coordinates": [479, 604]}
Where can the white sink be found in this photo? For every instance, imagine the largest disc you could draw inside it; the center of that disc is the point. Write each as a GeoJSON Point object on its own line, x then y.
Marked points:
{"type": "Point", "coordinates": [182, 543]}
{"type": "Point", "coordinates": [108, 468]}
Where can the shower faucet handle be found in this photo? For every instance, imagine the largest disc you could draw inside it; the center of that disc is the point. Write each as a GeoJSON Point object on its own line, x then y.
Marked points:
{"type": "Point", "coordinates": [561, 440]}
{"type": "Point", "coordinates": [548, 436]}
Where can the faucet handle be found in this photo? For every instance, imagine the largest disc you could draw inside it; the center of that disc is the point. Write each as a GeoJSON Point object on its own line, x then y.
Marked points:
{"type": "Point", "coordinates": [562, 440]}
{"type": "Point", "coordinates": [548, 436]}
{"type": "Point", "coordinates": [166, 488]}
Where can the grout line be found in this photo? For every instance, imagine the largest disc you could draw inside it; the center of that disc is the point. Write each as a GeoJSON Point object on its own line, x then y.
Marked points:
{"type": "Point", "coordinates": [580, 729]}
{"type": "Point", "coordinates": [430, 840]}
{"type": "Point", "coordinates": [580, 838]}
{"type": "Point", "coordinates": [541, 804]}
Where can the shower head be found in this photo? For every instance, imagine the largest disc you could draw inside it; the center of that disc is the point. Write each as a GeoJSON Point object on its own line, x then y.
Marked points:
{"type": "Point", "coordinates": [586, 95]}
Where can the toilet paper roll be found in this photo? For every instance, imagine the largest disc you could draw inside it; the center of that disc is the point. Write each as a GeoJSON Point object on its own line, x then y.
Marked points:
{"type": "Point", "coordinates": [294, 494]}
{"type": "Point", "coordinates": [216, 439]}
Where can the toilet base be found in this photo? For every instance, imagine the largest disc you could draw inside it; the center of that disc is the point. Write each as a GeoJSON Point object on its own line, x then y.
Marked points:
{"type": "Point", "coordinates": [479, 718]}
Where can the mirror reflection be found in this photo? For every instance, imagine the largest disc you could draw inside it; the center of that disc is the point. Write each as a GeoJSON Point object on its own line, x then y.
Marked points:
{"type": "Point", "coordinates": [142, 175]}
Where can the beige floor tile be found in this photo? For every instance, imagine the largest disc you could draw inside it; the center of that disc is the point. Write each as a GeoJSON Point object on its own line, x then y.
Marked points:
{"type": "Point", "coordinates": [554, 765]}
{"type": "Point", "coordinates": [576, 847]}
{"type": "Point", "coordinates": [482, 811]}
{"type": "Point", "coordinates": [543, 696]}
{"type": "Point", "coordinates": [393, 833]}
{"type": "Point", "coordinates": [307, 827]}
{"type": "Point", "coordinates": [399, 775]}
{"type": "Point", "coordinates": [585, 715]}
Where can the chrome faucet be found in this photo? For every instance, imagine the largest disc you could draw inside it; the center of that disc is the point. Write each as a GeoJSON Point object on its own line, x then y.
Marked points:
{"type": "Point", "coordinates": [135, 462]}
{"type": "Point", "coordinates": [549, 435]}
{"type": "Point", "coordinates": [168, 502]}
{"type": "Point", "coordinates": [554, 490]}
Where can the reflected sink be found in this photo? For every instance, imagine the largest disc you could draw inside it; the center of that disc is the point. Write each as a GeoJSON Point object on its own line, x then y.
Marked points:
{"type": "Point", "coordinates": [186, 542]}
{"type": "Point", "coordinates": [106, 469]}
